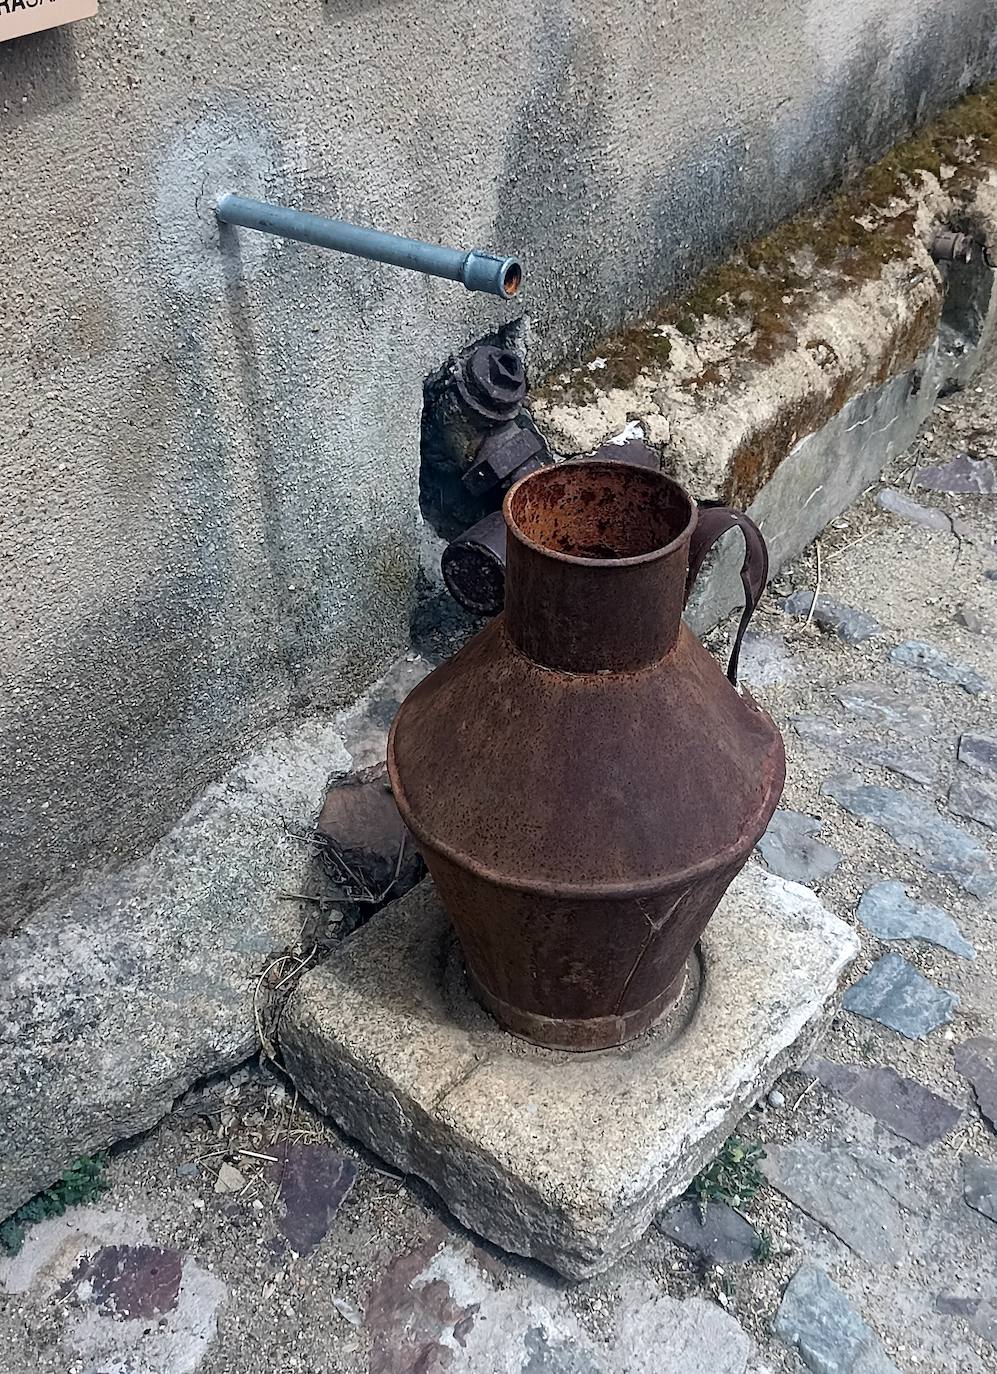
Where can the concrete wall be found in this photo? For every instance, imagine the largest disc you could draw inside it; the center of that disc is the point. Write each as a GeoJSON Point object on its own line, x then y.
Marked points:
{"type": "Point", "coordinates": [211, 449]}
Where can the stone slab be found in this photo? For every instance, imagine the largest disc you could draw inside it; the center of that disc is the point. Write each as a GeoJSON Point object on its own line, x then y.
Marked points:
{"type": "Point", "coordinates": [915, 824]}
{"type": "Point", "coordinates": [927, 658]}
{"type": "Point", "coordinates": [907, 1107]}
{"type": "Point", "coordinates": [790, 848]}
{"type": "Point", "coordinates": [817, 1319]}
{"type": "Point", "coordinates": [896, 995]}
{"type": "Point", "coordinates": [851, 1191]}
{"type": "Point", "coordinates": [886, 706]}
{"type": "Point", "coordinates": [976, 1059]}
{"type": "Point", "coordinates": [716, 1233]}
{"type": "Point", "coordinates": [117, 996]}
{"type": "Point", "coordinates": [979, 1180]}
{"type": "Point", "coordinates": [886, 910]}
{"type": "Point", "coordinates": [848, 623]}
{"type": "Point", "coordinates": [828, 734]}
{"type": "Point", "coordinates": [564, 1158]}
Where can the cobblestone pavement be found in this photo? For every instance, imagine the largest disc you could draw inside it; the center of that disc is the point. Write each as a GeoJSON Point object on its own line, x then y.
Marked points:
{"type": "Point", "coordinates": [245, 1235]}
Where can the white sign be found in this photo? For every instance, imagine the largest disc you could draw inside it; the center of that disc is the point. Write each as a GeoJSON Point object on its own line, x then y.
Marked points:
{"type": "Point", "coordinates": [27, 16]}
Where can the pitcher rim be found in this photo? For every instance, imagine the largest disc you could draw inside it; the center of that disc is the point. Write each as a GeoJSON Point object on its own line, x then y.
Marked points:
{"type": "Point", "coordinates": [576, 560]}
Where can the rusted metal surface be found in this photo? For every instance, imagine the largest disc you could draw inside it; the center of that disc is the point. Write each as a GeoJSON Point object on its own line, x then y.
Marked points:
{"type": "Point", "coordinates": [473, 564]}
{"type": "Point", "coordinates": [581, 778]}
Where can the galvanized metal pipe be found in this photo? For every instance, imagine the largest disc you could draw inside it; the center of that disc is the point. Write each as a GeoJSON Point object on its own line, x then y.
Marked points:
{"type": "Point", "coordinates": [477, 270]}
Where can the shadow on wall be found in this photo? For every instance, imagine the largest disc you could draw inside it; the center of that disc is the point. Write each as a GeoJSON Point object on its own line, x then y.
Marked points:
{"type": "Point", "coordinates": [44, 76]}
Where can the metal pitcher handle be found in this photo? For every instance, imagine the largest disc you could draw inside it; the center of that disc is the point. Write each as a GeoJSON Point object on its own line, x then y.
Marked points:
{"type": "Point", "coordinates": [714, 520]}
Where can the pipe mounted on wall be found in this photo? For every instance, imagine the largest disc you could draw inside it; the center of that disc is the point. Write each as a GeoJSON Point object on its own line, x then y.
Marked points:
{"type": "Point", "coordinates": [478, 271]}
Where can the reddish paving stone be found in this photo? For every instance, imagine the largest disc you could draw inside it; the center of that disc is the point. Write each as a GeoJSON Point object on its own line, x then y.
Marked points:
{"type": "Point", "coordinates": [414, 1325]}
{"type": "Point", "coordinates": [313, 1182]}
{"type": "Point", "coordinates": [907, 1107]}
{"type": "Point", "coordinates": [976, 1060]}
{"type": "Point", "coordinates": [128, 1281]}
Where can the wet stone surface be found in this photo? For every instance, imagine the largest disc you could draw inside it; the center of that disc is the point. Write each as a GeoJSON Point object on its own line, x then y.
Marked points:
{"type": "Point", "coordinates": [886, 910]}
{"type": "Point", "coordinates": [716, 1233]}
{"type": "Point", "coordinates": [976, 1060]}
{"type": "Point", "coordinates": [828, 734]}
{"type": "Point", "coordinates": [927, 658]}
{"type": "Point", "coordinates": [896, 995]}
{"type": "Point", "coordinates": [907, 1107]}
{"type": "Point", "coordinates": [944, 848]}
{"type": "Point", "coordinates": [849, 624]}
{"type": "Point", "coordinates": [790, 849]}
{"type": "Point", "coordinates": [817, 1319]}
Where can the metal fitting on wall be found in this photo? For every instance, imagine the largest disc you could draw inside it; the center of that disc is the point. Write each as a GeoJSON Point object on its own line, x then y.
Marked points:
{"type": "Point", "coordinates": [951, 246]}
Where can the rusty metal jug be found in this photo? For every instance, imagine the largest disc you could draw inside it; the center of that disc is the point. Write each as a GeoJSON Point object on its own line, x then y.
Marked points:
{"type": "Point", "coordinates": [582, 779]}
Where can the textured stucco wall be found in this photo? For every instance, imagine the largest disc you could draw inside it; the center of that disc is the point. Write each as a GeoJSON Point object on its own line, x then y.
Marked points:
{"type": "Point", "coordinates": [211, 450]}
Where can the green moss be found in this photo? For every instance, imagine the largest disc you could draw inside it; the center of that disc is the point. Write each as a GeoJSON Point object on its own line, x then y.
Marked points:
{"type": "Point", "coordinates": [83, 1182]}
{"type": "Point", "coordinates": [762, 280]}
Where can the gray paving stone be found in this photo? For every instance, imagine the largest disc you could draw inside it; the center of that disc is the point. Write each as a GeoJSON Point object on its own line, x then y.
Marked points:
{"type": "Point", "coordinates": [972, 620]}
{"type": "Point", "coordinates": [943, 847]}
{"type": "Point", "coordinates": [851, 1192]}
{"type": "Point", "coordinates": [765, 661]}
{"type": "Point", "coordinates": [907, 1107]}
{"type": "Point", "coordinates": [979, 1186]}
{"type": "Point", "coordinates": [979, 752]}
{"type": "Point", "coordinates": [974, 797]}
{"type": "Point", "coordinates": [885, 706]}
{"type": "Point", "coordinates": [896, 995]}
{"type": "Point", "coordinates": [790, 849]}
{"type": "Point", "coordinates": [963, 473]}
{"type": "Point", "coordinates": [716, 1233]}
{"type": "Point", "coordinates": [849, 624]}
{"type": "Point", "coordinates": [818, 1320]}
{"type": "Point", "coordinates": [887, 911]}
{"type": "Point", "coordinates": [984, 1320]}
{"type": "Point", "coordinates": [979, 1313]}
{"type": "Point", "coordinates": [928, 658]}
{"type": "Point", "coordinates": [912, 511]}
{"type": "Point", "coordinates": [828, 734]}
{"type": "Point", "coordinates": [976, 1059]}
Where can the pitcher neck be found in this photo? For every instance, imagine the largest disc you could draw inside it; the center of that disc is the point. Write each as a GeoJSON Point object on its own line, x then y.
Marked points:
{"type": "Point", "coordinates": [587, 616]}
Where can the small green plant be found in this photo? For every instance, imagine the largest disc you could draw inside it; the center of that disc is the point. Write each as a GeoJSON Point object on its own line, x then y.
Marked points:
{"type": "Point", "coordinates": [765, 1248]}
{"type": "Point", "coordinates": [733, 1177]}
{"type": "Point", "coordinates": [82, 1182]}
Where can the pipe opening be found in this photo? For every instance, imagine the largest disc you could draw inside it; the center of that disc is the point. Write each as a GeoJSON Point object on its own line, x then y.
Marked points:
{"type": "Point", "coordinates": [599, 511]}
{"type": "Point", "coordinates": [512, 280]}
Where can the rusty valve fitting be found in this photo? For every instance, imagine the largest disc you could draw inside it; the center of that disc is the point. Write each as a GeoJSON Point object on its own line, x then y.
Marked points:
{"type": "Point", "coordinates": [504, 456]}
{"type": "Point", "coordinates": [492, 382]}
{"type": "Point", "coordinates": [473, 566]}
{"type": "Point", "coordinates": [950, 246]}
